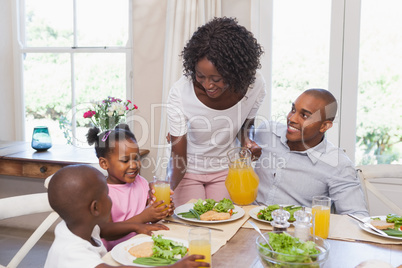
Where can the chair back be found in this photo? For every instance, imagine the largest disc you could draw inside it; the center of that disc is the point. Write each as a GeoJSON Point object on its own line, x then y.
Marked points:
{"type": "Point", "coordinates": [25, 205]}
{"type": "Point", "coordinates": [382, 185]}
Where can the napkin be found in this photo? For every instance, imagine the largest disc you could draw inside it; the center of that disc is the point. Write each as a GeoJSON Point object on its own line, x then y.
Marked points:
{"type": "Point", "coordinates": [342, 227]}
{"type": "Point", "coordinates": [218, 239]}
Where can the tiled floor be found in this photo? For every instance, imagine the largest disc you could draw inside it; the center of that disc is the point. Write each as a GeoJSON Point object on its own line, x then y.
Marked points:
{"type": "Point", "coordinates": [11, 240]}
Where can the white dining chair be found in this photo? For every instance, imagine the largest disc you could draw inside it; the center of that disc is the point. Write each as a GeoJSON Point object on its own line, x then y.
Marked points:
{"type": "Point", "coordinates": [26, 205]}
{"type": "Point", "coordinates": [382, 185]}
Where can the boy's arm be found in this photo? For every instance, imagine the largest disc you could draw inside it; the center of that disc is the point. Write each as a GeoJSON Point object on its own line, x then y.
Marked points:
{"type": "Point", "coordinates": [186, 262]}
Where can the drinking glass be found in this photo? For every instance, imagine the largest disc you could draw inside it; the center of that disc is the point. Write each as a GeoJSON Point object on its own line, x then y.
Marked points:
{"type": "Point", "coordinates": [199, 242]}
{"type": "Point", "coordinates": [162, 189]}
{"type": "Point", "coordinates": [321, 213]}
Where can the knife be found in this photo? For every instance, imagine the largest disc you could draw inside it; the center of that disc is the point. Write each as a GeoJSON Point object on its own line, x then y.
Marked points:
{"type": "Point", "coordinates": [191, 225]}
{"type": "Point", "coordinates": [369, 225]}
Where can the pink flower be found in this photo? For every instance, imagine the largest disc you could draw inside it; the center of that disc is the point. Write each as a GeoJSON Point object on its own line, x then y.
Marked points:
{"type": "Point", "coordinates": [89, 114]}
{"type": "Point", "coordinates": [135, 106]}
{"type": "Point", "coordinates": [129, 101]}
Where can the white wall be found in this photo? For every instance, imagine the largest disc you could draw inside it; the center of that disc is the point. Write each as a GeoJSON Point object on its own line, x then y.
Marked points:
{"type": "Point", "coordinates": [7, 117]}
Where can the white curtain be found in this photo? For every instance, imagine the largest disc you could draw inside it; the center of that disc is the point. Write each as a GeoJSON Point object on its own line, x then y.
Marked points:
{"type": "Point", "coordinates": [182, 19]}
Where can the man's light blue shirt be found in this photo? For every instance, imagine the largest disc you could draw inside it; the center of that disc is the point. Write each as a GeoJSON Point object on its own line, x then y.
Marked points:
{"type": "Point", "coordinates": [293, 177]}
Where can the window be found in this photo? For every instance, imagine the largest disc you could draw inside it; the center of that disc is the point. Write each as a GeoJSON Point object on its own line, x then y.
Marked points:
{"type": "Point", "coordinates": [379, 110]}
{"type": "Point", "coordinates": [313, 43]}
{"type": "Point", "coordinates": [72, 53]}
{"type": "Point", "coordinates": [300, 48]}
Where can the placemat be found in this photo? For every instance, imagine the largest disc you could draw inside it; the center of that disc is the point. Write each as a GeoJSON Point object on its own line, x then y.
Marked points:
{"type": "Point", "coordinates": [341, 227]}
{"type": "Point", "coordinates": [218, 239]}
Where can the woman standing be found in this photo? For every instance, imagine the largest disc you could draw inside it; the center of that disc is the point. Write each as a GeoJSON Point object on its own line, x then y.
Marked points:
{"type": "Point", "coordinates": [211, 109]}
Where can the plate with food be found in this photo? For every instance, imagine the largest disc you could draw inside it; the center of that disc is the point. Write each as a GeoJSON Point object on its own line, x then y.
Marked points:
{"type": "Point", "coordinates": [150, 251]}
{"type": "Point", "coordinates": [209, 211]}
{"type": "Point", "coordinates": [391, 224]}
{"type": "Point", "coordinates": [263, 213]}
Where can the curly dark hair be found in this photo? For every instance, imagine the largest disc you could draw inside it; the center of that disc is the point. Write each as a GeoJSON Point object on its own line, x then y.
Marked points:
{"type": "Point", "coordinates": [230, 47]}
{"type": "Point", "coordinates": [103, 143]}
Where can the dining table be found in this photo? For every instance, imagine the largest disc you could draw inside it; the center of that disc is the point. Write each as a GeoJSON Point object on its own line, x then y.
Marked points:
{"type": "Point", "coordinates": [350, 244]}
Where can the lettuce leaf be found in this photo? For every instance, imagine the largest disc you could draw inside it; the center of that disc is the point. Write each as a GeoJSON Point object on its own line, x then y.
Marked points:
{"type": "Point", "coordinates": [287, 244]}
{"type": "Point", "coordinates": [202, 206]}
{"type": "Point", "coordinates": [224, 205]}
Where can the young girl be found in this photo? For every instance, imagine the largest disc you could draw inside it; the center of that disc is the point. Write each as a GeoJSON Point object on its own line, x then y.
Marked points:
{"type": "Point", "coordinates": [118, 153]}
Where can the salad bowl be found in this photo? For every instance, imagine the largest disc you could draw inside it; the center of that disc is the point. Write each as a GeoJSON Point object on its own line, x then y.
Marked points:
{"type": "Point", "coordinates": [316, 251]}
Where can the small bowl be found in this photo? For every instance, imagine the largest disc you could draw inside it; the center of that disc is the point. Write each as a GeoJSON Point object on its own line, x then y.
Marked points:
{"type": "Point", "coordinates": [271, 258]}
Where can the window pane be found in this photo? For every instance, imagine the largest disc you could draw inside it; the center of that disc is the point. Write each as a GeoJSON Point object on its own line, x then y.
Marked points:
{"type": "Point", "coordinates": [379, 111]}
{"type": "Point", "coordinates": [108, 26]}
{"type": "Point", "coordinates": [47, 92]}
{"type": "Point", "coordinates": [45, 28]}
{"type": "Point", "coordinates": [301, 35]}
{"type": "Point", "coordinates": [97, 77]}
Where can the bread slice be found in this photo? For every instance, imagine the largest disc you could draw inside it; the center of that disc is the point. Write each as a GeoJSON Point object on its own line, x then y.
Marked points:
{"type": "Point", "coordinates": [382, 225]}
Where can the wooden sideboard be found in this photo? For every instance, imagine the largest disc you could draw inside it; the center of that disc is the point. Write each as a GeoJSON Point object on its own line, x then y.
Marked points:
{"type": "Point", "coordinates": [17, 158]}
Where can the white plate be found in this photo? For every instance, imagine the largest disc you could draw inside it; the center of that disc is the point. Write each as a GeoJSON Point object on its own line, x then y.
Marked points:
{"type": "Point", "coordinates": [368, 219]}
{"type": "Point", "coordinates": [188, 206]}
{"type": "Point", "coordinates": [253, 213]}
{"type": "Point", "coordinates": [120, 251]}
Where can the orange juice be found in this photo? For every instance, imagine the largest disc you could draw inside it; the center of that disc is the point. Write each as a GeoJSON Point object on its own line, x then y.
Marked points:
{"type": "Point", "coordinates": [202, 247]}
{"type": "Point", "coordinates": [242, 184]}
{"type": "Point", "coordinates": [322, 214]}
{"type": "Point", "coordinates": [162, 192]}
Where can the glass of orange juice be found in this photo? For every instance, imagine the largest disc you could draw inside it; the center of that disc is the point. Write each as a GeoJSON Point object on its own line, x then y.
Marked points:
{"type": "Point", "coordinates": [321, 208]}
{"type": "Point", "coordinates": [199, 242]}
{"type": "Point", "coordinates": [162, 189]}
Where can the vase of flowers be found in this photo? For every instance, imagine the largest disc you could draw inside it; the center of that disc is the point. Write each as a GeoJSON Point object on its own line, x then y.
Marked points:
{"type": "Point", "coordinates": [108, 113]}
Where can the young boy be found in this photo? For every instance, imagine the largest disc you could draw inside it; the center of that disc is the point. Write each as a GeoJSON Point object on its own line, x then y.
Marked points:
{"type": "Point", "coordinates": [79, 194]}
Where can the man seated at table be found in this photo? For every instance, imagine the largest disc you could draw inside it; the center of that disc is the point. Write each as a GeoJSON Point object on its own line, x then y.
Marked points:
{"type": "Point", "coordinates": [298, 162]}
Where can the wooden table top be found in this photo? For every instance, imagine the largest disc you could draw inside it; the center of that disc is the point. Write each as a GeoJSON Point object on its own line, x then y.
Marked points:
{"type": "Point", "coordinates": [241, 251]}
{"type": "Point", "coordinates": [18, 158]}
{"type": "Point", "coordinates": [58, 153]}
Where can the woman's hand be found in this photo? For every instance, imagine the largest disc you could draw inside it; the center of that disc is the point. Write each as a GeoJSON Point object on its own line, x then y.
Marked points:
{"type": "Point", "coordinates": [255, 149]}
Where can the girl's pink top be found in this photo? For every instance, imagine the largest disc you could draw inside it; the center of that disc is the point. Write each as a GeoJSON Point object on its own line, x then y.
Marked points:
{"type": "Point", "coordinates": [128, 199]}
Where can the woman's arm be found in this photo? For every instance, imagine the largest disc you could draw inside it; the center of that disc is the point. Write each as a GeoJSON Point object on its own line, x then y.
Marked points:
{"type": "Point", "coordinates": [246, 137]}
{"type": "Point", "coordinates": [178, 160]}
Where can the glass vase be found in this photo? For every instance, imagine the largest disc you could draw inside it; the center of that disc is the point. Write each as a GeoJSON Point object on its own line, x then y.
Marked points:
{"type": "Point", "coordinates": [41, 140]}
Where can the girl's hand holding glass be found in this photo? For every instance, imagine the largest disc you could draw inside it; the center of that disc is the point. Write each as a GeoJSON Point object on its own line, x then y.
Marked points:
{"type": "Point", "coordinates": [160, 190]}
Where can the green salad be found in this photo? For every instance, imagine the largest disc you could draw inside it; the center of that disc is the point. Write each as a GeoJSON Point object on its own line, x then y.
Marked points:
{"type": "Point", "coordinates": [265, 214]}
{"type": "Point", "coordinates": [165, 252]}
{"type": "Point", "coordinates": [295, 250]}
{"type": "Point", "coordinates": [202, 206]}
{"type": "Point", "coordinates": [397, 220]}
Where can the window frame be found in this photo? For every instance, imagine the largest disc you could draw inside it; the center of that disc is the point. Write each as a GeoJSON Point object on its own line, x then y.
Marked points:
{"type": "Point", "coordinates": [343, 65]}
{"type": "Point", "coordinates": [21, 48]}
